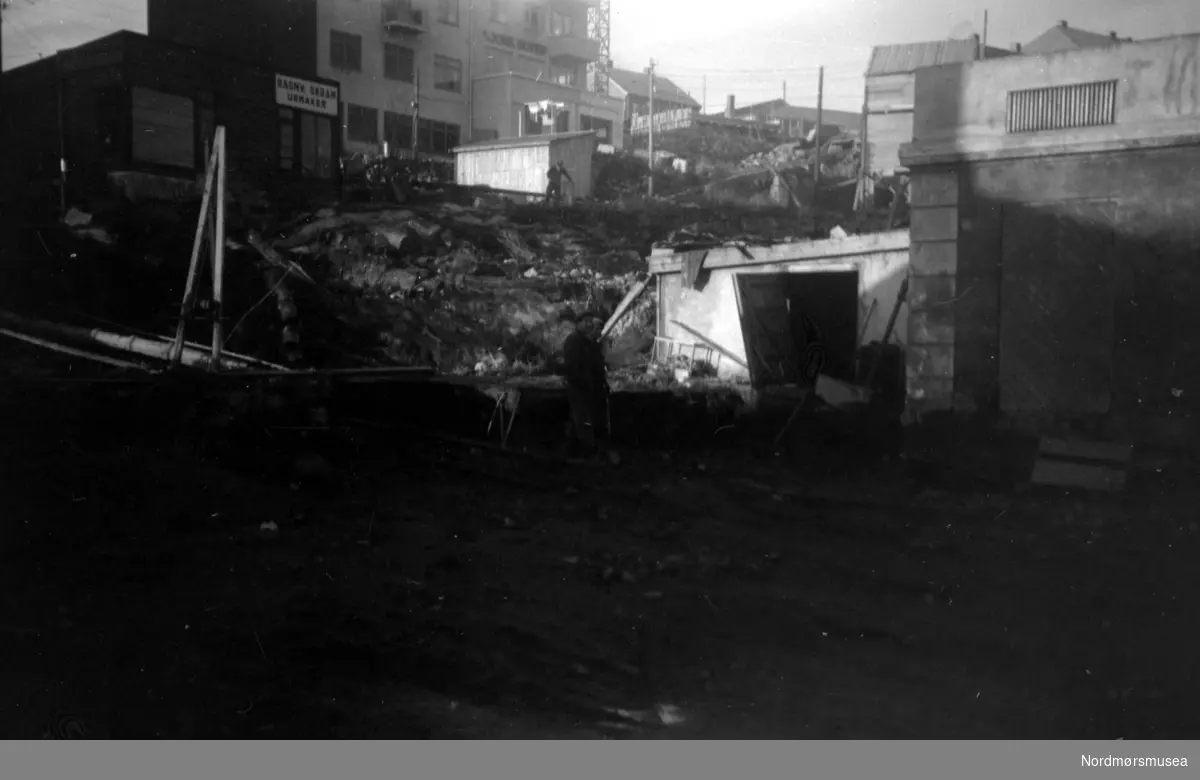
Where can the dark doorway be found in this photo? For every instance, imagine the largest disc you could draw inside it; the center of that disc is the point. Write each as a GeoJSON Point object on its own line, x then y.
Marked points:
{"type": "Point", "coordinates": [774, 308]}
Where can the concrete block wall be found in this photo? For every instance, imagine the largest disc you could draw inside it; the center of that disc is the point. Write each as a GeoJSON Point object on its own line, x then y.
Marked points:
{"type": "Point", "coordinates": [933, 264]}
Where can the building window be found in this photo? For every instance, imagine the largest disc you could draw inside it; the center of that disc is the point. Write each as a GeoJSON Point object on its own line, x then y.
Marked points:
{"type": "Point", "coordinates": [432, 136]}
{"type": "Point", "coordinates": [567, 76]}
{"type": "Point", "coordinates": [362, 124]}
{"type": "Point", "coordinates": [447, 74]}
{"type": "Point", "coordinates": [500, 11]}
{"type": "Point", "coordinates": [345, 51]}
{"type": "Point", "coordinates": [316, 146]}
{"type": "Point", "coordinates": [1062, 108]}
{"type": "Point", "coordinates": [533, 18]}
{"type": "Point", "coordinates": [397, 131]}
{"type": "Point", "coordinates": [448, 12]}
{"type": "Point", "coordinates": [399, 62]}
{"type": "Point", "coordinates": [561, 24]}
{"type": "Point", "coordinates": [312, 135]}
{"type": "Point", "coordinates": [164, 129]}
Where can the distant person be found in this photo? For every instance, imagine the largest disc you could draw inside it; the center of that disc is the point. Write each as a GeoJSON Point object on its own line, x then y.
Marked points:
{"type": "Point", "coordinates": [587, 385]}
{"type": "Point", "coordinates": [554, 187]}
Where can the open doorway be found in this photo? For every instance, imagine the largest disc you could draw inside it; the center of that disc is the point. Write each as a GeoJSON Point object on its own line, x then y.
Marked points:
{"type": "Point", "coordinates": [784, 314]}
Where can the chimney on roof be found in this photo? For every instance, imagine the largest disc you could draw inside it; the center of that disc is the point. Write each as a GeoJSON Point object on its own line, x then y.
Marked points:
{"type": "Point", "coordinates": [1113, 35]}
{"type": "Point", "coordinates": [1062, 23]}
{"type": "Point", "coordinates": [729, 103]}
{"type": "Point", "coordinates": [1017, 48]}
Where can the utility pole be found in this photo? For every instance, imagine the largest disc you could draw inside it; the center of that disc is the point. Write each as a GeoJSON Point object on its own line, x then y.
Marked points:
{"type": "Point", "coordinates": [820, 118]}
{"type": "Point", "coordinates": [785, 91]}
{"type": "Point", "coordinates": [703, 94]}
{"type": "Point", "coordinates": [650, 144]}
{"type": "Point", "coordinates": [983, 47]}
{"type": "Point", "coordinates": [470, 74]}
{"type": "Point", "coordinates": [416, 106]}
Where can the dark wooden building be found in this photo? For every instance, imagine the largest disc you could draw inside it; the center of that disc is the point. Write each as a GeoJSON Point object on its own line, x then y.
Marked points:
{"type": "Point", "coordinates": [146, 108]}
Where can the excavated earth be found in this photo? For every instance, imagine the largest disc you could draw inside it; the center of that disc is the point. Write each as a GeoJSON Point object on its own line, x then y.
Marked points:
{"type": "Point", "coordinates": [165, 576]}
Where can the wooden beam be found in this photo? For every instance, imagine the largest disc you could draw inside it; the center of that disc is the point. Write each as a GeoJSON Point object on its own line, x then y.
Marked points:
{"type": "Point", "coordinates": [736, 256]}
{"type": "Point", "coordinates": [709, 342]}
{"type": "Point", "coordinates": [623, 307]}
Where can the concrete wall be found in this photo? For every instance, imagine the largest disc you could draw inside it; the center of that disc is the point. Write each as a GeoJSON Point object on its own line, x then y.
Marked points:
{"type": "Point", "coordinates": [1130, 186]}
{"type": "Point", "coordinates": [890, 101]}
{"type": "Point", "coordinates": [369, 87]}
{"type": "Point", "coordinates": [881, 262]}
{"type": "Point", "coordinates": [960, 108]}
{"type": "Point", "coordinates": [1152, 198]}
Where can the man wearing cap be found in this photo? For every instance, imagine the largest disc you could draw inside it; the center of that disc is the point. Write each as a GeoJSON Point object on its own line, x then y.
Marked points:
{"type": "Point", "coordinates": [587, 382]}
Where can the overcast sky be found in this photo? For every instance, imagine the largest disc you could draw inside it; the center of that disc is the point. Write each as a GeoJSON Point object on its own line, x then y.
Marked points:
{"type": "Point", "coordinates": [744, 47]}
{"type": "Point", "coordinates": [750, 47]}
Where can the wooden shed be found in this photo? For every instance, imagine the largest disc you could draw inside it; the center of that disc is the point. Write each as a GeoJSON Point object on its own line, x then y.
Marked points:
{"type": "Point", "coordinates": [740, 305]}
{"type": "Point", "coordinates": [520, 164]}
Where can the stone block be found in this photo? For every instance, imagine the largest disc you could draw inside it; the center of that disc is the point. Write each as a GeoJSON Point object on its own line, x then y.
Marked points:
{"type": "Point", "coordinates": [933, 224]}
{"type": "Point", "coordinates": [934, 189]}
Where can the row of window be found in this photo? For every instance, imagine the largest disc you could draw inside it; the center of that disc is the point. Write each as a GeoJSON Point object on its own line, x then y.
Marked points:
{"type": "Point", "coordinates": [399, 62]}
{"type": "Point", "coordinates": [362, 125]}
{"type": "Point", "coordinates": [560, 24]}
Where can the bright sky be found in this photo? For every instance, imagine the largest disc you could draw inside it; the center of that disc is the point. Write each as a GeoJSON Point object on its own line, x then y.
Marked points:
{"type": "Point", "coordinates": [745, 47]}
{"type": "Point", "coordinates": [748, 48]}
{"type": "Point", "coordinates": [42, 27]}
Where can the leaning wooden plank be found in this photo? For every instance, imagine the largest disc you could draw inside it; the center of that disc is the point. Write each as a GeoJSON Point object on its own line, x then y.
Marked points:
{"type": "Point", "coordinates": [1087, 450]}
{"type": "Point", "coordinates": [189, 289]}
{"type": "Point", "coordinates": [79, 353]}
{"type": "Point", "coordinates": [1075, 475]}
{"type": "Point", "coordinates": [631, 296]}
{"type": "Point", "coordinates": [693, 332]}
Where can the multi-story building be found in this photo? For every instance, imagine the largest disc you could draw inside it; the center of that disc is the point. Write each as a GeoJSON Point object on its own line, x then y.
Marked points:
{"type": "Point", "coordinates": [474, 69]}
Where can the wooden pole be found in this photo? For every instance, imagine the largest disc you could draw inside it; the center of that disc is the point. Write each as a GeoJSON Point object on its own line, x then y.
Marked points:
{"type": "Point", "coordinates": [416, 128]}
{"type": "Point", "coordinates": [983, 47]}
{"type": "Point", "coordinates": [650, 143]}
{"type": "Point", "coordinates": [864, 156]}
{"type": "Point", "coordinates": [820, 119]}
{"type": "Point", "coordinates": [189, 290]}
{"type": "Point", "coordinates": [219, 251]}
{"type": "Point", "coordinates": [704, 94]}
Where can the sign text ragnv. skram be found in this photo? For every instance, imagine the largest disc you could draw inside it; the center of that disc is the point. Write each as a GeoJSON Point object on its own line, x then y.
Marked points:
{"type": "Point", "coordinates": [306, 95]}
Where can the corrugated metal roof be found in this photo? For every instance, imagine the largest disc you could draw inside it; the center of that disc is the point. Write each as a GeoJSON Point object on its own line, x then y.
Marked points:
{"type": "Point", "coordinates": [907, 57]}
{"type": "Point", "coordinates": [529, 140]}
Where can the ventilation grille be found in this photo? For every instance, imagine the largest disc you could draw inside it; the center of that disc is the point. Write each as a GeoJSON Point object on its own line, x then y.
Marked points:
{"type": "Point", "coordinates": [1062, 108]}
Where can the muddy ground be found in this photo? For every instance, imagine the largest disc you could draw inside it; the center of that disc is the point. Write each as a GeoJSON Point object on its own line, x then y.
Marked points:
{"type": "Point", "coordinates": [410, 592]}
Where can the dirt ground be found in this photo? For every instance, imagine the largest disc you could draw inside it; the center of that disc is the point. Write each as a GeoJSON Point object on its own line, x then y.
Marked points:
{"type": "Point", "coordinates": [703, 595]}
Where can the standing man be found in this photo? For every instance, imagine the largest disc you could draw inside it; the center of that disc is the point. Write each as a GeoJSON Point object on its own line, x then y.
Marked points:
{"type": "Point", "coordinates": [554, 187]}
{"type": "Point", "coordinates": [587, 384]}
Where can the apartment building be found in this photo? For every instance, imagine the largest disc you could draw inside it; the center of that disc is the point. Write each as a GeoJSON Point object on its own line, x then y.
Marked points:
{"type": "Point", "coordinates": [476, 69]}
{"type": "Point", "coordinates": [504, 68]}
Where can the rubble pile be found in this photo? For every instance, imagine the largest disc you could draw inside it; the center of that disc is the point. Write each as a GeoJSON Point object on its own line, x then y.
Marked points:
{"type": "Point", "coordinates": [839, 158]}
{"type": "Point", "coordinates": [466, 289]}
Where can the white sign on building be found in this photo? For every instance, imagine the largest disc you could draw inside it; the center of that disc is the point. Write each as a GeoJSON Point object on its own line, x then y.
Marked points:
{"type": "Point", "coordinates": [306, 95]}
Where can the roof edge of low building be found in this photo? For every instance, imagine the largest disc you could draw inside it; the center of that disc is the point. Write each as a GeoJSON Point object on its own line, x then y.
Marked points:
{"type": "Point", "coordinates": [529, 140]}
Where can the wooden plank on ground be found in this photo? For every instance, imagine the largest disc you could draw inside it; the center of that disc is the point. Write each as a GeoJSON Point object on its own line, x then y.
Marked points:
{"type": "Point", "coordinates": [1085, 450]}
{"type": "Point", "coordinates": [1077, 475]}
